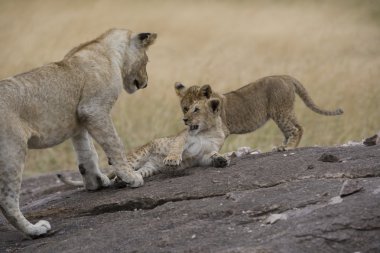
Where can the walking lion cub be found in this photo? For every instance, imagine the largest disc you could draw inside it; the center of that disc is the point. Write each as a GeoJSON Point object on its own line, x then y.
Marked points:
{"type": "Point", "coordinates": [71, 98]}
{"type": "Point", "coordinates": [248, 108]}
{"type": "Point", "coordinates": [203, 138]}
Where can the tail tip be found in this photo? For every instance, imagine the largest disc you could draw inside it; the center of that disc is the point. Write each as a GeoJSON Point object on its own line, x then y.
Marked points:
{"type": "Point", "coordinates": [340, 111]}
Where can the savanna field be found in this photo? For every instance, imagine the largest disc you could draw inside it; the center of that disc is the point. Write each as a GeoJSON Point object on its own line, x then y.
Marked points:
{"type": "Point", "coordinates": [332, 47]}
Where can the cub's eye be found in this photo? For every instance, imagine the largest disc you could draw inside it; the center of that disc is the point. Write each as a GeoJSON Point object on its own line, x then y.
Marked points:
{"type": "Point", "coordinates": [185, 109]}
{"type": "Point", "coordinates": [196, 109]}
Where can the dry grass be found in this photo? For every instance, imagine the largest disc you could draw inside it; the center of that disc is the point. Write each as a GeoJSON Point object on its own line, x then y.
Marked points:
{"type": "Point", "coordinates": [331, 46]}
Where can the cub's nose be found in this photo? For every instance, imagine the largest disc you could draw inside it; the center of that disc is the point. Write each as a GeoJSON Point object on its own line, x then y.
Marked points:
{"type": "Point", "coordinates": [143, 85]}
{"type": "Point", "coordinates": [140, 85]}
{"type": "Point", "coordinates": [185, 120]}
{"type": "Point", "coordinates": [136, 83]}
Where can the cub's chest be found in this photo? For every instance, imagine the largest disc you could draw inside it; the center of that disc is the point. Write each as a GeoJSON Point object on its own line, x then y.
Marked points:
{"type": "Point", "coordinates": [199, 146]}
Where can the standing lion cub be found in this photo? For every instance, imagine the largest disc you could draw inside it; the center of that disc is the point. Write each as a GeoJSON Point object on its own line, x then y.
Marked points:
{"type": "Point", "coordinates": [70, 99]}
{"type": "Point", "coordinates": [248, 108]}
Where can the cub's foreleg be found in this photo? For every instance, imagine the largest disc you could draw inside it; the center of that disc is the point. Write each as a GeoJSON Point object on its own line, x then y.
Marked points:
{"type": "Point", "coordinates": [140, 159]}
{"type": "Point", "coordinates": [99, 124]}
{"type": "Point", "coordinates": [87, 163]}
{"type": "Point", "coordinates": [174, 156]}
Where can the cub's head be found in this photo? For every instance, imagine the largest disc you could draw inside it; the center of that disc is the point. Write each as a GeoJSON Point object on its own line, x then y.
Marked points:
{"type": "Point", "coordinates": [202, 115]}
{"type": "Point", "coordinates": [134, 68]}
{"type": "Point", "coordinates": [192, 94]}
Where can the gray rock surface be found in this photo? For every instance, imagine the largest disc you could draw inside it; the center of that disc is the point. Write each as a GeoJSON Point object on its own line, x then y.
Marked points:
{"type": "Point", "coordinates": [271, 202]}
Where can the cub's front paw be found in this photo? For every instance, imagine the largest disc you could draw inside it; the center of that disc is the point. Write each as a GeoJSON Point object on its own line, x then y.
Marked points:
{"type": "Point", "coordinates": [173, 160]}
{"type": "Point", "coordinates": [103, 180]}
{"type": "Point", "coordinates": [132, 179]}
{"type": "Point", "coordinates": [280, 148]}
{"type": "Point", "coordinates": [94, 182]}
{"type": "Point", "coordinates": [219, 161]}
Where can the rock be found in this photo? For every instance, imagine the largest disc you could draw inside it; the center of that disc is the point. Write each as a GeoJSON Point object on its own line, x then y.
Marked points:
{"type": "Point", "coordinates": [350, 187]}
{"type": "Point", "coordinates": [352, 143]}
{"type": "Point", "coordinates": [330, 158]}
{"type": "Point", "coordinates": [275, 217]}
{"type": "Point", "coordinates": [262, 203]}
{"type": "Point", "coordinates": [373, 140]}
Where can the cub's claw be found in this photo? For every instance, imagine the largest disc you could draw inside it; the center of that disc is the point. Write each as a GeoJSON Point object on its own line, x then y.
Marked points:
{"type": "Point", "coordinates": [173, 160]}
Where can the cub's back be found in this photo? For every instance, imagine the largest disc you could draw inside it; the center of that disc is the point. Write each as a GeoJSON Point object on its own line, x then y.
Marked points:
{"type": "Point", "coordinates": [249, 107]}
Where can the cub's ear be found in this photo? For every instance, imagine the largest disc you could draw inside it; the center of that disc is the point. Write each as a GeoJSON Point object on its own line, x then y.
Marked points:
{"type": "Point", "coordinates": [145, 39]}
{"type": "Point", "coordinates": [205, 91]}
{"type": "Point", "coordinates": [214, 104]}
{"type": "Point", "coordinates": [180, 89]}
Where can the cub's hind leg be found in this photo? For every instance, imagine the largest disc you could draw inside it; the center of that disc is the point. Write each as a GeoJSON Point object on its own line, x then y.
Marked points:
{"type": "Point", "coordinates": [296, 137]}
{"type": "Point", "coordinates": [13, 150]}
{"type": "Point", "coordinates": [151, 157]}
{"type": "Point", "coordinates": [292, 131]}
{"type": "Point", "coordinates": [149, 169]}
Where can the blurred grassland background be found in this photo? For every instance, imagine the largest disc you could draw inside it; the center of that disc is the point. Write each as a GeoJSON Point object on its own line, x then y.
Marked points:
{"type": "Point", "coordinates": [332, 47]}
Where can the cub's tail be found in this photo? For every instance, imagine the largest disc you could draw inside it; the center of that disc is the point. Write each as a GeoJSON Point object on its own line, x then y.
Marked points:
{"type": "Point", "coordinates": [78, 183]}
{"type": "Point", "coordinates": [68, 181]}
{"type": "Point", "coordinates": [301, 91]}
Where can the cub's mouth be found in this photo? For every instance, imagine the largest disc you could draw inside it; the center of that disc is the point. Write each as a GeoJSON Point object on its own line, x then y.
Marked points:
{"type": "Point", "coordinates": [193, 127]}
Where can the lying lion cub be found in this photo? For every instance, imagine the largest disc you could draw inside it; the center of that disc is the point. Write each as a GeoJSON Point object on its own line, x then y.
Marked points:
{"type": "Point", "coordinates": [71, 98]}
{"type": "Point", "coordinates": [204, 138]}
{"type": "Point", "coordinates": [248, 108]}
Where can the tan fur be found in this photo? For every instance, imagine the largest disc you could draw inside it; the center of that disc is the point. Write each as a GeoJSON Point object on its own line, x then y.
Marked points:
{"type": "Point", "coordinates": [69, 99]}
{"type": "Point", "coordinates": [248, 108]}
{"type": "Point", "coordinates": [200, 146]}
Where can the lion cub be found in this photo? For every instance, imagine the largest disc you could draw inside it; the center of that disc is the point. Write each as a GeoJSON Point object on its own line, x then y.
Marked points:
{"type": "Point", "coordinates": [248, 108]}
{"type": "Point", "coordinates": [204, 137]}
